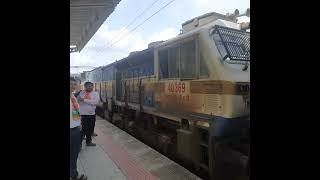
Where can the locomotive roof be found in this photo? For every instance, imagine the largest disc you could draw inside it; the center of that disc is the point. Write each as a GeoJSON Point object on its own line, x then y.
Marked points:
{"type": "Point", "coordinates": [128, 61]}
{"type": "Point", "coordinates": [134, 58]}
{"type": "Point", "coordinates": [221, 16]}
{"type": "Point", "coordinates": [196, 30]}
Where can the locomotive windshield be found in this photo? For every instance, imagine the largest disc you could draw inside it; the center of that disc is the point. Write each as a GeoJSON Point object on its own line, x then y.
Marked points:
{"type": "Point", "coordinates": [232, 44]}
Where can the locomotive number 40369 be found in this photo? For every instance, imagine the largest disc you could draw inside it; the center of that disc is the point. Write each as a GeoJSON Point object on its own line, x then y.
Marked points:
{"type": "Point", "coordinates": [177, 87]}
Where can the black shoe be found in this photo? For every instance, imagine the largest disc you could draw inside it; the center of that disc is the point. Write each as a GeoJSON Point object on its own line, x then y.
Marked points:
{"type": "Point", "coordinates": [94, 134]}
{"type": "Point", "coordinates": [80, 177]}
{"type": "Point", "coordinates": [91, 144]}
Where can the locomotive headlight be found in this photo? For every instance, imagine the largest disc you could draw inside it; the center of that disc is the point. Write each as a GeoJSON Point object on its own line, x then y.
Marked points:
{"type": "Point", "coordinates": [247, 102]}
{"type": "Point", "coordinates": [243, 88]}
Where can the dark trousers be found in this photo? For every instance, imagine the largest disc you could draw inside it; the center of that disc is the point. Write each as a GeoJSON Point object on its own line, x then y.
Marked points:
{"type": "Point", "coordinates": [74, 150]}
{"type": "Point", "coordinates": [88, 122]}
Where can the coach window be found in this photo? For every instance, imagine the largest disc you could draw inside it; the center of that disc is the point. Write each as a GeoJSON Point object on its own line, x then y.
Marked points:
{"type": "Point", "coordinates": [111, 75]}
{"type": "Point", "coordinates": [131, 73]}
{"type": "Point", "coordinates": [137, 72]}
{"type": "Point", "coordinates": [141, 71]}
{"type": "Point", "coordinates": [104, 75]}
{"type": "Point", "coordinates": [126, 73]}
{"type": "Point", "coordinates": [151, 69]}
{"type": "Point", "coordinates": [163, 59]}
{"type": "Point", "coordinates": [174, 62]}
{"type": "Point", "coordinates": [188, 60]}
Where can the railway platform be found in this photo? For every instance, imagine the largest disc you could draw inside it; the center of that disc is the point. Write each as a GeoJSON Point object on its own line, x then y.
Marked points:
{"type": "Point", "coordinates": [119, 156]}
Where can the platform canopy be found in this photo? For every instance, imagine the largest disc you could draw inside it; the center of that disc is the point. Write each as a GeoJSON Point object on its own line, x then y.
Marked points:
{"type": "Point", "coordinates": [86, 16]}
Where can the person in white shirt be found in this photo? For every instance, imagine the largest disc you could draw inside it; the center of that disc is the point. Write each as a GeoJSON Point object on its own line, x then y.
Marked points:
{"type": "Point", "coordinates": [74, 133]}
{"type": "Point", "coordinates": [88, 100]}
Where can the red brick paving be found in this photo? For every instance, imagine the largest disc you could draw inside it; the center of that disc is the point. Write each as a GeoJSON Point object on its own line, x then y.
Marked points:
{"type": "Point", "coordinates": [126, 162]}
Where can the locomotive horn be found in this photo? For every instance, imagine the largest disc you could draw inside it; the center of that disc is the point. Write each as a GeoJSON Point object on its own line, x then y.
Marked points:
{"type": "Point", "coordinates": [248, 12]}
{"type": "Point", "coordinates": [236, 13]}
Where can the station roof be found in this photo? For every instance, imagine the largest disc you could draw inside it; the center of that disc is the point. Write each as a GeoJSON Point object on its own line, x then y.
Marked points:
{"type": "Point", "coordinates": [86, 16]}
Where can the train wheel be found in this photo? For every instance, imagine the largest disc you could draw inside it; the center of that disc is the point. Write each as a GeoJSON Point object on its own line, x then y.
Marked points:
{"type": "Point", "coordinates": [185, 124]}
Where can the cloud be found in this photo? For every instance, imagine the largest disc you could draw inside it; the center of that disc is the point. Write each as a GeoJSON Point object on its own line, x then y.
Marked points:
{"type": "Point", "coordinates": [98, 51]}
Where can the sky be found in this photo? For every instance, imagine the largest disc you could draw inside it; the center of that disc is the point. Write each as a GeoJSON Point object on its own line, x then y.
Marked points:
{"type": "Point", "coordinates": [106, 46]}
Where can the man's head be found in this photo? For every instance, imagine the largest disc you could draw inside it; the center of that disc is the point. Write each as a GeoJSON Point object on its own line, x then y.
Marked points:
{"type": "Point", "coordinates": [73, 84]}
{"type": "Point", "coordinates": [88, 86]}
